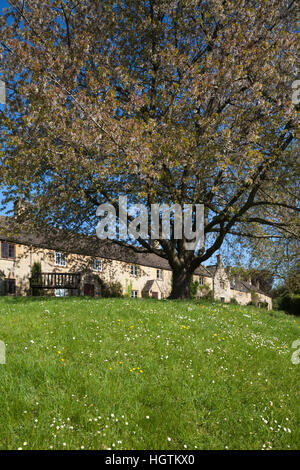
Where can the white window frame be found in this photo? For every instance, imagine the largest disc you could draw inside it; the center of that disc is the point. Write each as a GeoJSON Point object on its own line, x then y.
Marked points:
{"type": "Point", "coordinates": [134, 294]}
{"type": "Point", "coordinates": [201, 281]}
{"type": "Point", "coordinates": [159, 274]}
{"type": "Point", "coordinates": [97, 265]}
{"type": "Point", "coordinates": [60, 292]}
{"type": "Point", "coordinates": [134, 270]}
{"type": "Point", "coordinates": [60, 259]}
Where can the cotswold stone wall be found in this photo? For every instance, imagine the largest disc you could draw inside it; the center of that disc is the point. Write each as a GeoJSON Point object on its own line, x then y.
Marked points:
{"type": "Point", "coordinates": [243, 298]}
{"type": "Point", "coordinates": [221, 283]}
{"type": "Point", "coordinates": [264, 298]}
{"type": "Point", "coordinates": [19, 269]}
{"type": "Point", "coordinates": [113, 271]}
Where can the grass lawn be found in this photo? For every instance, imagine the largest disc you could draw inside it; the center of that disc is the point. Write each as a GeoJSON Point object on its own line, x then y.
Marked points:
{"type": "Point", "coordinates": [145, 374]}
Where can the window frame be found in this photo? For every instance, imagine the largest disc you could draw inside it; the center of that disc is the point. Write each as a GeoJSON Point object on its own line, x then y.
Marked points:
{"type": "Point", "coordinates": [134, 270]}
{"type": "Point", "coordinates": [9, 247]}
{"type": "Point", "coordinates": [159, 277]}
{"type": "Point", "coordinates": [201, 281]}
{"type": "Point", "coordinates": [62, 256]}
{"type": "Point", "coordinates": [57, 292]}
{"type": "Point", "coordinates": [96, 268]}
{"type": "Point", "coordinates": [134, 294]}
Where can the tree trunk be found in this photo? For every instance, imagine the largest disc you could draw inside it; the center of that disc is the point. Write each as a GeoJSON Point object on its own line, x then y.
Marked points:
{"type": "Point", "coordinates": [181, 283]}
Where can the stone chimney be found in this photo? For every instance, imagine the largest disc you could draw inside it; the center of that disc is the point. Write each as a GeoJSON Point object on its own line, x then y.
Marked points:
{"type": "Point", "coordinates": [219, 260]}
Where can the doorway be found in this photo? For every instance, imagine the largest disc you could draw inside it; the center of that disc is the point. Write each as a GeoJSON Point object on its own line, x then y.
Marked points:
{"type": "Point", "coordinates": [89, 289]}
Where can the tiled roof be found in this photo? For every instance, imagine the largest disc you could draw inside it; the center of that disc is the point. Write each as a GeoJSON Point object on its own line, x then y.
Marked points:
{"type": "Point", "coordinates": [211, 269]}
{"type": "Point", "coordinates": [149, 284]}
{"type": "Point", "coordinates": [244, 286]}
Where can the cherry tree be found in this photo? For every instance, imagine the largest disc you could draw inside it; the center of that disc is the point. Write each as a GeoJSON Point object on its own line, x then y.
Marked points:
{"type": "Point", "coordinates": [177, 101]}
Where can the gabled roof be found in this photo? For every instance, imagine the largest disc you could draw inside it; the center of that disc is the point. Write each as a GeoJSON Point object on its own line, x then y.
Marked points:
{"type": "Point", "coordinates": [211, 269]}
{"type": "Point", "coordinates": [202, 271]}
{"type": "Point", "coordinates": [237, 284]}
{"type": "Point", "coordinates": [149, 285]}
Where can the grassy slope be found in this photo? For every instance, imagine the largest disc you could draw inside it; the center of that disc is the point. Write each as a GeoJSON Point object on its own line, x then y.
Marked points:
{"type": "Point", "coordinates": [142, 374]}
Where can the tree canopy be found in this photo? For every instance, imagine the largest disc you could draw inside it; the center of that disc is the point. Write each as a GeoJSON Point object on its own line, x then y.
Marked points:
{"type": "Point", "coordinates": [177, 101]}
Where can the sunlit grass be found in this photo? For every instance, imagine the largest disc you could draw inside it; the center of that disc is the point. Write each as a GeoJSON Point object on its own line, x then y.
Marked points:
{"type": "Point", "coordinates": [146, 374]}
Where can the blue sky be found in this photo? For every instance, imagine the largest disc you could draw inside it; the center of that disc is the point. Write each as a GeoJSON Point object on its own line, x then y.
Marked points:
{"type": "Point", "coordinates": [3, 4]}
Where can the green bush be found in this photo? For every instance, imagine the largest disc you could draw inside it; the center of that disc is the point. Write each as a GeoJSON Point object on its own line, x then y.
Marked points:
{"type": "Point", "coordinates": [111, 289]}
{"type": "Point", "coordinates": [129, 289]}
{"type": "Point", "coordinates": [289, 303]}
{"type": "Point", "coordinates": [36, 273]}
{"type": "Point", "coordinates": [275, 303]}
{"type": "Point", "coordinates": [264, 305]}
{"type": "Point", "coordinates": [233, 301]}
{"type": "Point", "coordinates": [208, 295]}
{"type": "Point", "coordinates": [194, 288]}
{"type": "Point", "coordinates": [198, 290]}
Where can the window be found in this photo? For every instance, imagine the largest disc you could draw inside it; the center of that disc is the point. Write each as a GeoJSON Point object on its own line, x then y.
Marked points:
{"type": "Point", "coordinates": [134, 270]}
{"type": "Point", "coordinates": [8, 250]}
{"type": "Point", "coordinates": [222, 299]}
{"type": "Point", "coordinates": [134, 294]}
{"type": "Point", "coordinates": [60, 292]}
{"type": "Point", "coordinates": [201, 280]}
{"type": "Point", "coordinates": [97, 265]}
{"type": "Point", "coordinates": [222, 284]}
{"type": "Point", "coordinates": [60, 259]}
{"type": "Point", "coordinates": [159, 274]}
{"type": "Point", "coordinates": [10, 286]}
